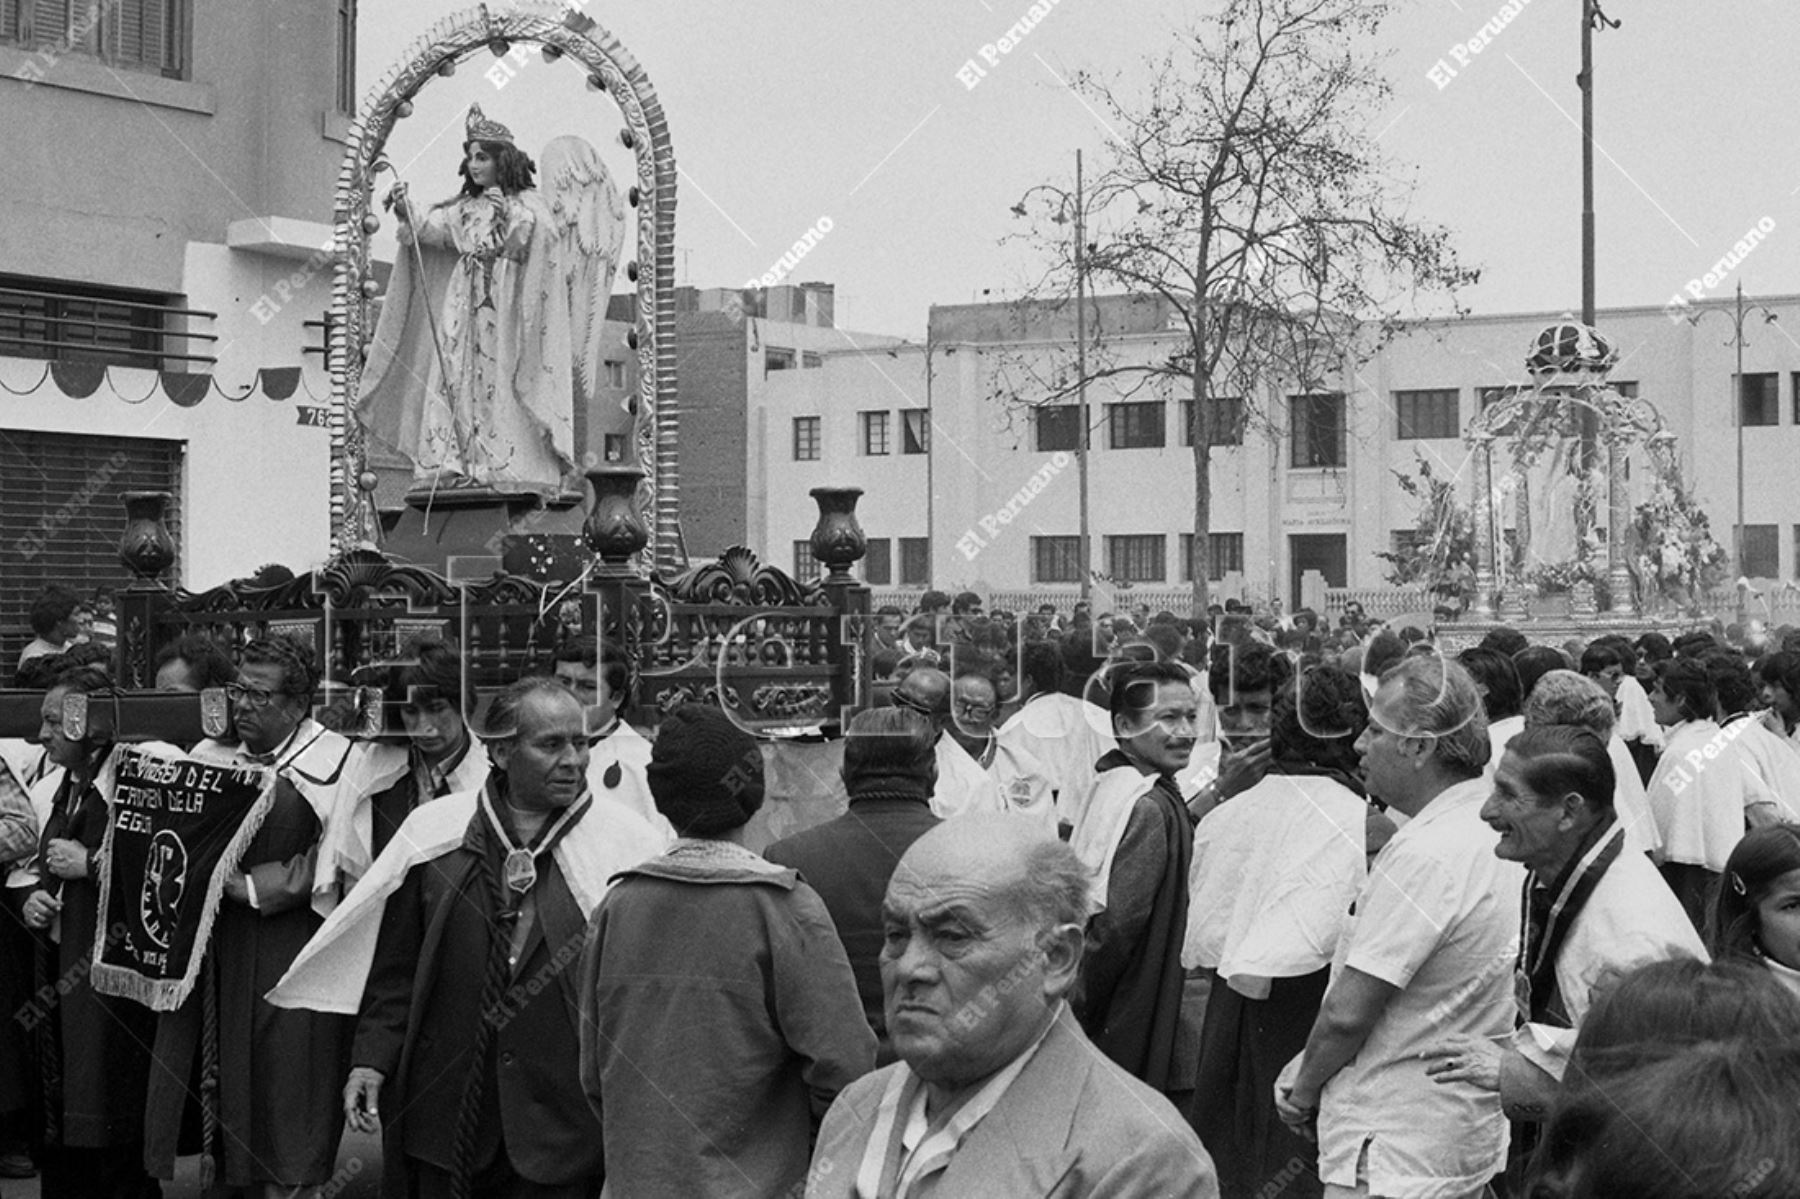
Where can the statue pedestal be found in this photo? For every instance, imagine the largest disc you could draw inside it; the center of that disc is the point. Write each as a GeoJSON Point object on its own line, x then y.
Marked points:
{"type": "Point", "coordinates": [468, 533]}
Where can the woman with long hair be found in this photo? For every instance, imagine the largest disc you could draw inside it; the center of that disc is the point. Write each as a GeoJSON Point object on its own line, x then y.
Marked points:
{"type": "Point", "coordinates": [1757, 914]}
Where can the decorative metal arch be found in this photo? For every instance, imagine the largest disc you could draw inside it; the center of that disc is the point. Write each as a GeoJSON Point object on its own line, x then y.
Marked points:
{"type": "Point", "coordinates": [562, 32]}
{"type": "Point", "coordinates": [1623, 421]}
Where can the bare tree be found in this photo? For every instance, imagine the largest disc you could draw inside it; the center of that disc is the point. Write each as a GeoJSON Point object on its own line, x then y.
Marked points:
{"type": "Point", "coordinates": [1244, 190]}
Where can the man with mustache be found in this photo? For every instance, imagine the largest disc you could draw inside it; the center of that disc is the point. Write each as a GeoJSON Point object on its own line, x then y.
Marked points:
{"type": "Point", "coordinates": [1136, 837]}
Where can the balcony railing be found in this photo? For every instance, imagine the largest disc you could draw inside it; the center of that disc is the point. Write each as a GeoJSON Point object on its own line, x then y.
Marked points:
{"type": "Point", "coordinates": [70, 326]}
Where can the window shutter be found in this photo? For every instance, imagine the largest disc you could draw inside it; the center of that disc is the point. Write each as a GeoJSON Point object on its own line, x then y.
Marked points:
{"type": "Point", "coordinates": [49, 22]}
{"type": "Point", "coordinates": [61, 517]}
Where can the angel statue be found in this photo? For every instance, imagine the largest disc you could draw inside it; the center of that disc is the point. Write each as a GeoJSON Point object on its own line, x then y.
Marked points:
{"type": "Point", "coordinates": [492, 327]}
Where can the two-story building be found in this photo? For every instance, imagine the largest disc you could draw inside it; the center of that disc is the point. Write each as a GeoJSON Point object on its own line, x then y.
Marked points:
{"type": "Point", "coordinates": [971, 479]}
{"type": "Point", "coordinates": [164, 280]}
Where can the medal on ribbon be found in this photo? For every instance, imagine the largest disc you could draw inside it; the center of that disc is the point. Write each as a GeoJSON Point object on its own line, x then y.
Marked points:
{"type": "Point", "coordinates": [521, 870]}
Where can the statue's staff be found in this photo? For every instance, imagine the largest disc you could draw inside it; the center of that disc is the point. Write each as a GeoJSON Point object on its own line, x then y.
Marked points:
{"type": "Point", "coordinates": [396, 200]}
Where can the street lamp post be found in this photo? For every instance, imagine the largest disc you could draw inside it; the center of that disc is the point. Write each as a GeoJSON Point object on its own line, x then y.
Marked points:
{"type": "Point", "coordinates": [1065, 200]}
{"type": "Point", "coordinates": [1081, 444]}
{"type": "Point", "coordinates": [1737, 314]}
{"type": "Point", "coordinates": [1592, 18]}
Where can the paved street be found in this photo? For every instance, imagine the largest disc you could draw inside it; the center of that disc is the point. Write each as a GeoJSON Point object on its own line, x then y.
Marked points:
{"type": "Point", "coordinates": [358, 1175]}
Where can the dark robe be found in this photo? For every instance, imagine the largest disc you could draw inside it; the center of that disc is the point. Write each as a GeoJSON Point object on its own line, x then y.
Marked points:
{"type": "Point", "coordinates": [1131, 979]}
{"type": "Point", "coordinates": [100, 1043]}
{"type": "Point", "coordinates": [421, 1011]}
{"type": "Point", "coordinates": [1244, 1045]}
{"type": "Point", "coordinates": [281, 1071]}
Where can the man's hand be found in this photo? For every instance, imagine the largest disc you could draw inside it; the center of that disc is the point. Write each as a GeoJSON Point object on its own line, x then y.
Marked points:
{"type": "Point", "coordinates": [40, 909]}
{"type": "Point", "coordinates": [1300, 1113]}
{"type": "Point", "coordinates": [1242, 767]}
{"type": "Point", "coordinates": [237, 888]}
{"type": "Point", "coordinates": [66, 859]}
{"type": "Point", "coordinates": [362, 1099]}
{"type": "Point", "coordinates": [1464, 1058]}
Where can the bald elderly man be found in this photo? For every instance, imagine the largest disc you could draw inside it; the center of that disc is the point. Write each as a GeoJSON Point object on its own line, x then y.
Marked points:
{"type": "Point", "coordinates": [997, 1090]}
{"type": "Point", "coordinates": [962, 787]}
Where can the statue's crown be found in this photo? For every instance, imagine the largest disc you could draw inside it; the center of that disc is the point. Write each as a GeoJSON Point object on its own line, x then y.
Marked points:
{"type": "Point", "coordinates": [481, 129]}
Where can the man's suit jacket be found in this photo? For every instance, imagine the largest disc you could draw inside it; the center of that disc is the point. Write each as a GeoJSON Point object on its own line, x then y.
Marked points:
{"type": "Point", "coordinates": [1071, 1124]}
{"type": "Point", "coordinates": [849, 861]}
{"type": "Point", "coordinates": [422, 1009]}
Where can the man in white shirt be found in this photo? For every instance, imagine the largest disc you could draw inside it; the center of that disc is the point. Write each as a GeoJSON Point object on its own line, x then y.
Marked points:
{"type": "Point", "coordinates": [997, 1090]}
{"type": "Point", "coordinates": [1501, 697]}
{"type": "Point", "coordinates": [962, 785]}
{"type": "Point", "coordinates": [1024, 784]}
{"type": "Point", "coordinates": [1594, 910]}
{"type": "Point", "coordinates": [1428, 951]}
{"type": "Point", "coordinates": [600, 675]}
{"type": "Point", "coordinates": [1704, 792]}
{"type": "Point", "coordinates": [1067, 735]}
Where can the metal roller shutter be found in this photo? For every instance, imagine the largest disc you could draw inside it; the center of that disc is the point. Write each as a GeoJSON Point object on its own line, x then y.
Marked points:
{"type": "Point", "coordinates": [61, 517]}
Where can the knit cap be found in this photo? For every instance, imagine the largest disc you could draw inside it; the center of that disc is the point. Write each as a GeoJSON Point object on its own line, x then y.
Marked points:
{"type": "Point", "coordinates": [705, 773]}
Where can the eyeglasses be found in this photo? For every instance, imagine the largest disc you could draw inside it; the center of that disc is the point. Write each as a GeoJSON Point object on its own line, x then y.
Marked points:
{"type": "Point", "coordinates": [972, 710]}
{"type": "Point", "coordinates": [251, 697]}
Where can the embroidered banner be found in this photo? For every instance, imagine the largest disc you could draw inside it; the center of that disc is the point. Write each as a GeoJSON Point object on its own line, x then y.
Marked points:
{"type": "Point", "coordinates": [177, 830]}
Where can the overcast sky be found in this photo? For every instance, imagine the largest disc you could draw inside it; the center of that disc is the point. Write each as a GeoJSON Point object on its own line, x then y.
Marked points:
{"type": "Point", "coordinates": [786, 111]}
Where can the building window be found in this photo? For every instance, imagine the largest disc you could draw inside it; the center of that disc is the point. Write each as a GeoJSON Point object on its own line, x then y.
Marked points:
{"type": "Point", "coordinates": [1759, 401]}
{"type": "Point", "coordinates": [346, 57]}
{"type": "Point", "coordinates": [1225, 549]}
{"type": "Point", "coordinates": [615, 374]}
{"type": "Point", "coordinates": [806, 567]}
{"type": "Point", "coordinates": [811, 360]}
{"type": "Point", "coordinates": [776, 358]}
{"type": "Point", "coordinates": [874, 433]}
{"type": "Point", "coordinates": [1058, 427]}
{"type": "Point", "coordinates": [1136, 558]}
{"type": "Point", "coordinates": [806, 439]}
{"type": "Point", "coordinates": [1228, 421]}
{"type": "Point", "coordinates": [915, 561]}
{"type": "Point", "coordinates": [1794, 386]}
{"type": "Point", "coordinates": [1135, 426]}
{"type": "Point", "coordinates": [59, 516]}
{"type": "Point", "coordinates": [614, 447]}
{"type": "Point", "coordinates": [1426, 414]}
{"type": "Point", "coordinates": [69, 322]}
{"type": "Point", "coordinates": [137, 35]}
{"type": "Point", "coordinates": [1318, 430]}
{"type": "Point", "coordinates": [1761, 552]}
{"type": "Point", "coordinates": [1056, 559]}
{"type": "Point", "coordinates": [878, 562]}
{"type": "Point", "coordinates": [915, 431]}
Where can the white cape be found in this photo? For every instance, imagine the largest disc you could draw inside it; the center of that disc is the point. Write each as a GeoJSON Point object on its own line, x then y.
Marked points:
{"type": "Point", "coordinates": [330, 972]}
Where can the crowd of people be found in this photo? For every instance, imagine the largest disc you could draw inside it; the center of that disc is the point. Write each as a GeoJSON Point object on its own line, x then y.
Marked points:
{"type": "Point", "coordinates": [1119, 904]}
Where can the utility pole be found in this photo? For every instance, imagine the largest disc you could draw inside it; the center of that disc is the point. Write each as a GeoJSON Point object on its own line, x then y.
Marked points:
{"type": "Point", "coordinates": [1591, 18]}
{"type": "Point", "coordinates": [1081, 446]}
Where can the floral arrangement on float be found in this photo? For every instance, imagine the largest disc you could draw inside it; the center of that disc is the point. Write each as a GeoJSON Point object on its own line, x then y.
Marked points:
{"type": "Point", "coordinates": [1675, 556]}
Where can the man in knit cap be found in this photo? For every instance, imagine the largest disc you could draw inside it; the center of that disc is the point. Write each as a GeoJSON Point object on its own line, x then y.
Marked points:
{"type": "Point", "coordinates": [719, 1015]}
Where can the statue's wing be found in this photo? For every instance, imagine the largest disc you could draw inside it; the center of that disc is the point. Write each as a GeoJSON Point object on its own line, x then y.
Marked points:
{"type": "Point", "coordinates": [588, 232]}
